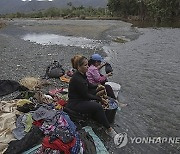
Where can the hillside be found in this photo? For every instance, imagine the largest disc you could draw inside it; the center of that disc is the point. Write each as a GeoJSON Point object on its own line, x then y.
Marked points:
{"type": "Point", "coordinates": [12, 6]}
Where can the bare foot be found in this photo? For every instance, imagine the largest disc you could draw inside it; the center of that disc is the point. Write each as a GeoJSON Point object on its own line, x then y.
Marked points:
{"type": "Point", "coordinates": [122, 104]}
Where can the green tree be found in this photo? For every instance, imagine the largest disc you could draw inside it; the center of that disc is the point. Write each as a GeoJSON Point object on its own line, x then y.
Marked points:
{"type": "Point", "coordinates": [159, 10]}
{"type": "Point", "coordinates": [163, 9]}
{"type": "Point", "coordinates": [123, 7]}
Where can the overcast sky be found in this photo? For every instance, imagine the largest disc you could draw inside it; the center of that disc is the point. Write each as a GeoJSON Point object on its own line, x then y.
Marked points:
{"type": "Point", "coordinates": [37, 0]}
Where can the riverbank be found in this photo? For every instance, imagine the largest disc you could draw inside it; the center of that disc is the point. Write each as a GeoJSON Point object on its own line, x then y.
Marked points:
{"type": "Point", "coordinates": [146, 66]}
{"type": "Point", "coordinates": [134, 20]}
{"type": "Point", "coordinates": [21, 58]}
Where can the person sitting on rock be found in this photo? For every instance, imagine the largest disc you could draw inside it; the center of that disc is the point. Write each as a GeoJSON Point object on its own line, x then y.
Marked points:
{"type": "Point", "coordinates": [81, 99]}
{"type": "Point", "coordinates": [94, 76]}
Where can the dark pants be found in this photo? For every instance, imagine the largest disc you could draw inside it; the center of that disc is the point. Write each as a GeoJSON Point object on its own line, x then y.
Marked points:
{"type": "Point", "coordinates": [91, 108]}
{"type": "Point", "coordinates": [110, 91]}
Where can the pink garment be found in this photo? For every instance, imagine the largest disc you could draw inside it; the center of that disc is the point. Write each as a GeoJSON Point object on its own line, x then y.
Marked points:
{"type": "Point", "coordinates": [94, 76]}
{"type": "Point", "coordinates": [62, 121]}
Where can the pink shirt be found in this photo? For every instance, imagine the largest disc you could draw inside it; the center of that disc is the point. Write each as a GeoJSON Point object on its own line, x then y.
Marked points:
{"type": "Point", "coordinates": [94, 76]}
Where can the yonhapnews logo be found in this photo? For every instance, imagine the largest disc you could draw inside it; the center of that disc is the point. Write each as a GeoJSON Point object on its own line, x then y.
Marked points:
{"type": "Point", "coordinates": [121, 140]}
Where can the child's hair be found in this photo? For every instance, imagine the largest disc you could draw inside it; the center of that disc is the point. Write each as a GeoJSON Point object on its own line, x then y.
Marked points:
{"type": "Point", "coordinates": [91, 62]}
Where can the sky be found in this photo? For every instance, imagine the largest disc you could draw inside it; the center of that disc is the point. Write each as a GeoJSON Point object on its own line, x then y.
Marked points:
{"type": "Point", "coordinates": [36, 0]}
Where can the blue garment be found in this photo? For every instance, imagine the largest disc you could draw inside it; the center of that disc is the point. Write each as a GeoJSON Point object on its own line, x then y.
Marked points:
{"type": "Point", "coordinates": [43, 113]}
{"type": "Point", "coordinates": [19, 131]}
{"type": "Point", "coordinates": [76, 148]}
{"type": "Point", "coordinates": [32, 150]}
{"type": "Point", "coordinates": [112, 103]}
{"type": "Point", "coordinates": [72, 126]}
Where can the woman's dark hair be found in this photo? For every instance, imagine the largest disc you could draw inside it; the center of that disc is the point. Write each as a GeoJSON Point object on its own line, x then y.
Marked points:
{"type": "Point", "coordinates": [92, 62]}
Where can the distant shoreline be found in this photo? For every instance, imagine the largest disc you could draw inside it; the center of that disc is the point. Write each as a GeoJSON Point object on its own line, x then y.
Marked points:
{"type": "Point", "coordinates": [134, 20]}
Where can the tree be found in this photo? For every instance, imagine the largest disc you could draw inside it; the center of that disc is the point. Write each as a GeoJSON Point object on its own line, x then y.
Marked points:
{"type": "Point", "coordinates": [159, 10]}
{"type": "Point", "coordinates": [123, 7]}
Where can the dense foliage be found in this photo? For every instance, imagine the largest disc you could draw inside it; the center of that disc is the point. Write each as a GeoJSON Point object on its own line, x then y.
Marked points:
{"type": "Point", "coordinates": [159, 10]}
{"type": "Point", "coordinates": [71, 11]}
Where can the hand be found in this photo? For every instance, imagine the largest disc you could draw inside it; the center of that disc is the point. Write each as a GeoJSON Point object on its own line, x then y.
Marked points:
{"type": "Point", "coordinates": [110, 74]}
{"type": "Point", "coordinates": [103, 64]}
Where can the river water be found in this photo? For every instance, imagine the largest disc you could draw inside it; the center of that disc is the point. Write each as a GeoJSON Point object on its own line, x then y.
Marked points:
{"type": "Point", "coordinates": [150, 77]}
{"type": "Point", "coordinates": [147, 67]}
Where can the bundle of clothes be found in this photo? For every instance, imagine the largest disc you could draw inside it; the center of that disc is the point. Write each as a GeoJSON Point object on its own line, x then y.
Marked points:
{"type": "Point", "coordinates": [37, 122]}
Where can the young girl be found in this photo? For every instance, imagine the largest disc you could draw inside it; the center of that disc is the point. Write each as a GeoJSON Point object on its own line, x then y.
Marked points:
{"type": "Point", "coordinates": [93, 75]}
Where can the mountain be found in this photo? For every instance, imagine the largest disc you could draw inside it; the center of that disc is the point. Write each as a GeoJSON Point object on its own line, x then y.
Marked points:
{"type": "Point", "coordinates": [12, 6]}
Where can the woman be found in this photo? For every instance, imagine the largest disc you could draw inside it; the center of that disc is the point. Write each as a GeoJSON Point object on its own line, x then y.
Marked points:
{"type": "Point", "coordinates": [94, 76]}
{"type": "Point", "coordinates": [80, 98]}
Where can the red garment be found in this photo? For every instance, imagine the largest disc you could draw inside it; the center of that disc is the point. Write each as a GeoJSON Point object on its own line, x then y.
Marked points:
{"type": "Point", "coordinates": [38, 123]}
{"type": "Point", "coordinates": [58, 145]}
{"type": "Point", "coordinates": [62, 102]}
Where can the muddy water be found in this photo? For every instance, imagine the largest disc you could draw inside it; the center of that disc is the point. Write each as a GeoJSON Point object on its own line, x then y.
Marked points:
{"type": "Point", "coordinates": [149, 72]}
{"type": "Point", "coordinates": [147, 67]}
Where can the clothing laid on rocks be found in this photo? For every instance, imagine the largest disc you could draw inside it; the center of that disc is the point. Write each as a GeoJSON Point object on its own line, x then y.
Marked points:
{"type": "Point", "coordinates": [88, 142]}
{"type": "Point", "coordinates": [23, 125]}
{"type": "Point", "coordinates": [58, 145]}
{"type": "Point", "coordinates": [32, 138]}
{"type": "Point", "coordinates": [41, 128]}
{"type": "Point", "coordinates": [9, 86]}
{"type": "Point", "coordinates": [100, 148]}
{"type": "Point", "coordinates": [8, 114]}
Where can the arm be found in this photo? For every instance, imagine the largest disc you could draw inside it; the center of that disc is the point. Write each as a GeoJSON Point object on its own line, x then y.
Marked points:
{"type": "Point", "coordinates": [101, 65]}
{"type": "Point", "coordinates": [97, 77]}
{"type": "Point", "coordinates": [82, 90]}
{"type": "Point", "coordinates": [92, 86]}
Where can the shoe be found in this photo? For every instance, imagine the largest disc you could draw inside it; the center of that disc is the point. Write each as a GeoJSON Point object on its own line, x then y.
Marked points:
{"type": "Point", "coordinates": [112, 133]}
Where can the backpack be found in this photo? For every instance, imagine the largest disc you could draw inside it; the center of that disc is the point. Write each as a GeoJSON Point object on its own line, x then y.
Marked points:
{"type": "Point", "coordinates": [108, 68]}
{"type": "Point", "coordinates": [55, 70]}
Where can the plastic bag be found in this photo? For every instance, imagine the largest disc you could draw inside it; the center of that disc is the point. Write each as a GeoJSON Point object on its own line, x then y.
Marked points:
{"type": "Point", "coordinates": [108, 68]}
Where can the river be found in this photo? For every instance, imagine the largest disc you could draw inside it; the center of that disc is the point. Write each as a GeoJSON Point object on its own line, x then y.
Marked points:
{"type": "Point", "coordinates": [147, 67]}
{"type": "Point", "coordinates": [150, 77]}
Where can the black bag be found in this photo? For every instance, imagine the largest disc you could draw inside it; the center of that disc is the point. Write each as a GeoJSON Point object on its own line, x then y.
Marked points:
{"type": "Point", "coordinates": [108, 68]}
{"type": "Point", "coordinates": [55, 70]}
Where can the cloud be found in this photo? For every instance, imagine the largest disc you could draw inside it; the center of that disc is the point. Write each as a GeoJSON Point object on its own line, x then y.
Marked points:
{"type": "Point", "coordinates": [45, 0]}
{"type": "Point", "coordinates": [37, 0]}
